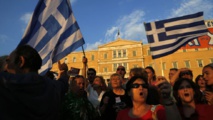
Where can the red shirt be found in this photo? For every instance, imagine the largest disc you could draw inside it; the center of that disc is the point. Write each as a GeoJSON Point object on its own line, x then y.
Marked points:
{"type": "Point", "coordinates": [160, 114]}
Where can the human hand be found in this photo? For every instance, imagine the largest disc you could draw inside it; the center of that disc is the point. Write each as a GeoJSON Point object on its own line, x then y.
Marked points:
{"type": "Point", "coordinates": [209, 97]}
{"type": "Point", "coordinates": [84, 60]}
{"type": "Point", "coordinates": [63, 66]}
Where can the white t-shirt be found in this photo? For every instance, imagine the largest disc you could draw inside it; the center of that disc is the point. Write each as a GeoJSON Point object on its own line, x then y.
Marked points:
{"type": "Point", "coordinates": [93, 96]}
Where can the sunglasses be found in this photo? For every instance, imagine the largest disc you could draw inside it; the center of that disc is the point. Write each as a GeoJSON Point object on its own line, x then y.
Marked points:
{"type": "Point", "coordinates": [121, 69]}
{"type": "Point", "coordinates": [184, 87]}
{"type": "Point", "coordinates": [136, 85]}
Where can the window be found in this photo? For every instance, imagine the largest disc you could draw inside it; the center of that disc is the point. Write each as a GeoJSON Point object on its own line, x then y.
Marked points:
{"type": "Point", "coordinates": [119, 53]}
{"type": "Point", "coordinates": [105, 56]}
{"type": "Point", "coordinates": [66, 61]}
{"type": "Point", "coordinates": [148, 52]}
{"type": "Point", "coordinates": [164, 66]}
{"type": "Point", "coordinates": [187, 64]}
{"type": "Point", "coordinates": [125, 65]}
{"type": "Point", "coordinates": [200, 63]}
{"type": "Point", "coordinates": [74, 59]}
{"type": "Point", "coordinates": [211, 60]}
{"type": "Point", "coordinates": [124, 53]}
{"type": "Point", "coordinates": [114, 66]}
{"type": "Point", "coordinates": [134, 53]}
{"type": "Point", "coordinates": [93, 58]}
{"type": "Point", "coordinates": [105, 69]}
{"type": "Point", "coordinates": [114, 53]}
{"type": "Point", "coordinates": [174, 64]}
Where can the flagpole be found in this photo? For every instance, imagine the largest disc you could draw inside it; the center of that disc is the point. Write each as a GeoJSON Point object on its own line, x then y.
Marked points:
{"type": "Point", "coordinates": [83, 50]}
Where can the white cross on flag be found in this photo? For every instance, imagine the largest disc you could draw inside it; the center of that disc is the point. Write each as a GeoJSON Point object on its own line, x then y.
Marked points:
{"type": "Point", "coordinates": [53, 32]}
{"type": "Point", "coordinates": [167, 36]}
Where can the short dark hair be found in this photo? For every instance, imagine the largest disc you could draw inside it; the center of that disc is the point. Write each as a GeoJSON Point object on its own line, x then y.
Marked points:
{"type": "Point", "coordinates": [173, 69]}
{"type": "Point", "coordinates": [33, 60]}
{"type": "Point", "coordinates": [91, 69]}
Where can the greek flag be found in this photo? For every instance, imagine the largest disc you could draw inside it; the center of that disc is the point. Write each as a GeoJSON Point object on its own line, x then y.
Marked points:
{"type": "Point", "coordinates": [167, 36]}
{"type": "Point", "coordinates": [53, 32]}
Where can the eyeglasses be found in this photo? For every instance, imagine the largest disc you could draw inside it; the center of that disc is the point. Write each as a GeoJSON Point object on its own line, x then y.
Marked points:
{"type": "Point", "coordinates": [121, 69]}
{"type": "Point", "coordinates": [185, 73]}
{"type": "Point", "coordinates": [183, 87]}
{"type": "Point", "coordinates": [136, 85]}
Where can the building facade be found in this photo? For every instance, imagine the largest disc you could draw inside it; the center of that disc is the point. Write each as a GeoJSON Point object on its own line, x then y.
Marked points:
{"type": "Point", "coordinates": [130, 54]}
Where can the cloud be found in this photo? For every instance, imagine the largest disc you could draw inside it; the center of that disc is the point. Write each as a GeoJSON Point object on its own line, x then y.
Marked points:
{"type": "Point", "coordinates": [3, 38]}
{"type": "Point", "coordinates": [26, 17]}
{"type": "Point", "coordinates": [131, 27]}
{"type": "Point", "coordinates": [193, 6]}
{"type": "Point", "coordinates": [94, 45]}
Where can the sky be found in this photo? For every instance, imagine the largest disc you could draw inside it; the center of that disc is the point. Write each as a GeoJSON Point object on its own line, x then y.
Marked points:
{"type": "Point", "coordinates": [99, 20]}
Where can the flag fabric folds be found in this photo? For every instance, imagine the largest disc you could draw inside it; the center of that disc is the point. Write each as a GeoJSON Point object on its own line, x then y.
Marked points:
{"type": "Point", "coordinates": [167, 36]}
{"type": "Point", "coordinates": [53, 31]}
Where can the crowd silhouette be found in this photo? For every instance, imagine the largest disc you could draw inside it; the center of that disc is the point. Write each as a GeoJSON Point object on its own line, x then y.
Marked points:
{"type": "Point", "coordinates": [58, 96]}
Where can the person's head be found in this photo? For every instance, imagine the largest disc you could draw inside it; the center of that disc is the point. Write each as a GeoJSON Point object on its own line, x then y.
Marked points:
{"type": "Point", "coordinates": [116, 80]}
{"type": "Point", "coordinates": [172, 71]}
{"type": "Point", "coordinates": [91, 73]}
{"type": "Point", "coordinates": [3, 63]}
{"type": "Point", "coordinates": [151, 73]}
{"type": "Point", "coordinates": [208, 74]}
{"type": "Point", "coordinates": [77, 84]}
{"type": "Point", "coordinates": [99, 82]}
{"type": "Point", "coordinates": [121, 70]}
{"type": "Point", "coordinates": [137, 89]}
{"type": "Point", "coordinates": [184, 91]}
{"type": "Point", "coordinates": [23, 59]}
{"type": "Point", "coordinates": [186, 74]}
{"type": "Point", "coordinates": [138, 71]}
{"type": "Point", "coordinates": [200, 81]}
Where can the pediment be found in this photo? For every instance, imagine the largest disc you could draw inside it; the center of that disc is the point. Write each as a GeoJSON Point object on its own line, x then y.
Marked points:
{"type": "Point", "coordinates": [119, 42]}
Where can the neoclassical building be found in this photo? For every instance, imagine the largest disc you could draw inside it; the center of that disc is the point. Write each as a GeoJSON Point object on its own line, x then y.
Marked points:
{"type": "Point", "coordinates": [131, 53]}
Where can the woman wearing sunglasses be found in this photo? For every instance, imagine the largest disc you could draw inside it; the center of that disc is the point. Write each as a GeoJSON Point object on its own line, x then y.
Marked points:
{"type": "Point", "coordinates": [137, 89]}
{"type": "Point", "coordinates": [185, 92]}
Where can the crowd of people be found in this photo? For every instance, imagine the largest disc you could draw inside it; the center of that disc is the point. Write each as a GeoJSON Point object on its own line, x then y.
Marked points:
{"type": "Point", "coordinates": [143, 96]}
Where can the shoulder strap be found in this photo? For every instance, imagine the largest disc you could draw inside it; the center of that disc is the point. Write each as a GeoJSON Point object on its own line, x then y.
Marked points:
{"type": "Point", "coordinates": [153, 110]}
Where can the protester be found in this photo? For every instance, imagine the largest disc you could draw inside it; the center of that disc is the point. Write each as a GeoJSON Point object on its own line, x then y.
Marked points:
{"type": "Point", "coordinates": [138, 71]}
{"type": "Point", "coordinates": [151, 75]}
{"type": "Point", "coordinates": [122, 71]}
{"type": "Point", "coordinates": [76, 106]}
{"type": "Point", "coordinates": [3, 62]}
{"type": "Point", "coordinates": [24, 93]}
{"type": "Point", "coordinates": [172, 72]}
{"type": "Point", "coordinates": [208, 76]}
{"type": "Point", "coordinates": [182, 73]}
{"type": "Point", "coordinates": [113, 100]}
{"type": "Point", "coordinates": [137, 88]}
{"type": "Point", "coordinates": [189, 107]}
{"type": "Point", "coordinates": [97, 90]}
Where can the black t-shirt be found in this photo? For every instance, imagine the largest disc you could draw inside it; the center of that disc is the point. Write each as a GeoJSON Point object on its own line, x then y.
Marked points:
{"type": "Point", "coordinates": [115, 104]}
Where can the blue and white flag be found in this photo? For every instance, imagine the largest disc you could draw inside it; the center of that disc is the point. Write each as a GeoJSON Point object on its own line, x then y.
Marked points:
{"type": "Point", "coordinates": [53, 32]}
{"type": "Point", "coordinates": [167, 36]}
